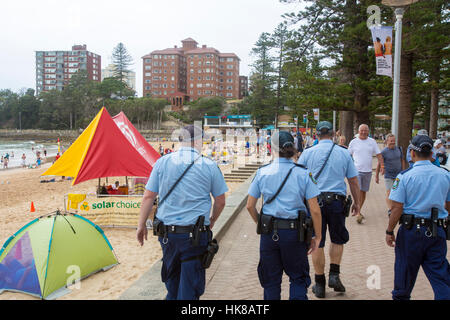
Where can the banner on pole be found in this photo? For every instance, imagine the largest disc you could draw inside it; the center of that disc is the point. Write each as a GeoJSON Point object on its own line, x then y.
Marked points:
{"type": "Point", "coordinates": [382, 43]}
{"type": "Point", "coordinates": [316, 114]}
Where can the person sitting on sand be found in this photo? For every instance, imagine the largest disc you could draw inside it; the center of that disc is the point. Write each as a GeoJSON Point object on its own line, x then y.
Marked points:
{"type": "Point", "coordinates": [115, 186]}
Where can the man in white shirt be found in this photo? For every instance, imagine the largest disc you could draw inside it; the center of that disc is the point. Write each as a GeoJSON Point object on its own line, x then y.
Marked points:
{"type": "Point", "coordinates": [362, 149]}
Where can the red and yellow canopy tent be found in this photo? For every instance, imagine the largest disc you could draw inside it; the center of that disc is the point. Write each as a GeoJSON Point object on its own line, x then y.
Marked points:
{"type": "Point", "coordinates": [104, 150]}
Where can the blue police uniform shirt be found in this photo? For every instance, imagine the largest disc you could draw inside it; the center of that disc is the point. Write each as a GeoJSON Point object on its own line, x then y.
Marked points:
{"type": "Point", "coordinates": [191, 197]}
{"type": "Point", "coordinates": [289, 201]}
{"type": "Point", "coordinates": [422, 187]}
{"type": "Point", "coordinates": [340, 166]}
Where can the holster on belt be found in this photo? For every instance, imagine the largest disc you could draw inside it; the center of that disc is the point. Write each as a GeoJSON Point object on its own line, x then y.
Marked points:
{"type": "Point", "coordinates": [213, 247]}
{"type": "Point", "coordinates": [304, 227]}
{"type": "Point", "coordinates": [407, 220]}
{"type": "Point", "coordinates": [158, 227]}
{"type": "Point", "coordinates": [434, 221]}
{"type": "Point", "coordinates": [196, 230]}
{"type": "Point", "coordinates": [265, 223]}
{"type": "Point", "coordinates": [347, 205]}
{"type": "Point", "coordinates": [447, 227]}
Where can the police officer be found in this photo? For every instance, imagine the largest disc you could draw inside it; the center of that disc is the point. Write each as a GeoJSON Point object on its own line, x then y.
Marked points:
{"type": "Point", "coordinates": [421, 202]}
{"type": "Point", "coordinates": [334, 164]}
{"type": "Point", "coordinates": [179, 212]}
{"type": "Point", "coordinates": [280, 248]}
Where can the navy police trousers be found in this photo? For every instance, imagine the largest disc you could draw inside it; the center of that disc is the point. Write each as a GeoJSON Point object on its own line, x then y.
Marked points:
{"type": "Point", "coordinates": [183, 280]}
{"type": "Point", "coordinates": [333, 217]}
{"type": "Point", "coordinates": [414, 249]}
{"type": "Point", "coordinates": [288, 255]}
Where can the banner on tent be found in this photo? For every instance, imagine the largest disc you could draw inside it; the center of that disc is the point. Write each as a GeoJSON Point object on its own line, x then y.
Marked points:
{"type": "Point", "coordinates": [120, 211]}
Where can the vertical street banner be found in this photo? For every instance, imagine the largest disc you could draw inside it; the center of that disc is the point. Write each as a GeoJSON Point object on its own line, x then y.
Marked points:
{"type": "Point", "coordinates": [382, 43]}
{"type": "Point", "coordinates": [316, 114]}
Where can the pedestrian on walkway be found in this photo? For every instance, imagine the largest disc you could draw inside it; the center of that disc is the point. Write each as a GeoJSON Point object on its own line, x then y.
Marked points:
{"type": "Point", "coordinates": [178, 222]}
{"type": "Point", "coordinates": [393, 165]}
{"type": "Point", "coordinates": [330, 164]}
{"type": "Point", "coordinates": [421, 132]}
{"type": "Point", "coordinates": [362, 148]}
{"type": "Point", "coordinates": [421, 202]}
{"type": "Point", "coordinates": [284, 186]}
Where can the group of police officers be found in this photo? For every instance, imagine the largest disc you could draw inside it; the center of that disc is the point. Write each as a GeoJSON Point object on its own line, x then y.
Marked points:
{"type": "Point", "coordinates": [301, 200]}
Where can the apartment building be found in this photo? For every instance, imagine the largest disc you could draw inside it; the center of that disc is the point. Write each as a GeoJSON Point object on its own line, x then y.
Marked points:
{"type": "Point", "coordinates": [130, 76]}
{"type": "Point", "coordinates": [55, 68]}
{"type": "Point", "coordinates": [190, 72]}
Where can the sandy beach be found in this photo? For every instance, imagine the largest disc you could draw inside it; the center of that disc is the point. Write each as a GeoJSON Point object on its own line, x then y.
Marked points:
{"type": "Point", "coordinates": [19, 187]}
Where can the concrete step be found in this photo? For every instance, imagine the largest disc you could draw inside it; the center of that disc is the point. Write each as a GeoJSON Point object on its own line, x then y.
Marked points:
{"type": "Point", "coordinates": [242, 172]}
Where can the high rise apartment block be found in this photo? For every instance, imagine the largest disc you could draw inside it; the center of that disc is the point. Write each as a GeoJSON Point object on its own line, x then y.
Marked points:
{"type": "Point", "coordinates": [55, 68]}
{"type": "Point", "coordinates": [190, 72]}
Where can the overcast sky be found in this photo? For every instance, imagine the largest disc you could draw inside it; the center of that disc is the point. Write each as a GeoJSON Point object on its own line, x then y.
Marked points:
{"type": "Point", "coordinates": [27, 26]}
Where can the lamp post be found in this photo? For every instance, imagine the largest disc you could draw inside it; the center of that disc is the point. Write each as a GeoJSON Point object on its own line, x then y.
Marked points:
{"type": "Point", "coordinates": [399, 7]}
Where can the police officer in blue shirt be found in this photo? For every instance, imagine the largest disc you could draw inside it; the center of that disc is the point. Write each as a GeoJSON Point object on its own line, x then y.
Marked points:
{"type": "Point", "coordinates": [421, 202]}
{"type": "Point", "coordinates": [183, 239]}
{"type": "Point", "coordinates": [334, 164]}
{"type": "Point", "coordinates": [280, 246]}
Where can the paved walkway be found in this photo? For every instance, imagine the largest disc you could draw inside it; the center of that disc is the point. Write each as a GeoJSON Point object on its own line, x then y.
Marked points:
{"type": "Point", "coordinates": [233, 276]}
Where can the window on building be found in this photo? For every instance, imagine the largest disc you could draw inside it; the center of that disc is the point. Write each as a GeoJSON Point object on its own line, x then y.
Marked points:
{"type": "Point", "coordinates": [230, 66]}
{"type": "Point", "coordinates": [148, 74]}
{"type": "Point", "coordinates": [230, 59]}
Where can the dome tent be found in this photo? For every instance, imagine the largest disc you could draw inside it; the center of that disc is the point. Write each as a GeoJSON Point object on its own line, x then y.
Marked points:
{"type": "Point", "coordinates": [52, 251]}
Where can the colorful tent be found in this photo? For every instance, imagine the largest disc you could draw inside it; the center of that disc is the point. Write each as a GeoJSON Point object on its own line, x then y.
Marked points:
{"type": "Point", "coordinates": [136, 139]}
{"type": "Point", "coordinates": [51, 252]}
{"type": "Point", "coordinates": [100, 151]}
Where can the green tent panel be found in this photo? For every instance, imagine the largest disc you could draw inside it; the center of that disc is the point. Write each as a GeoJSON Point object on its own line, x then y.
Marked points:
{"type": "Point", "coordinates": [41, 257]}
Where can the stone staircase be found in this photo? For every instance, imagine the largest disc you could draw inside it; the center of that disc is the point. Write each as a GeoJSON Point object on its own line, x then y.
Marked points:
{"type": "Point", "coordinates": [243, 173]}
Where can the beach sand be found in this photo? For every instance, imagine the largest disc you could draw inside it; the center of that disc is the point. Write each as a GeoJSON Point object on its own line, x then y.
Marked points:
{"type": "Point", "coordinates": [20, 187]}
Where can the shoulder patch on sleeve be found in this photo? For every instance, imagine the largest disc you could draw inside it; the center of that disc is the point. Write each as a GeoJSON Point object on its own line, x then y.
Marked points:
{"type": "Point", "coordinates": [395, 184]}
{"type": "Point", "coordinates": [312, 178]}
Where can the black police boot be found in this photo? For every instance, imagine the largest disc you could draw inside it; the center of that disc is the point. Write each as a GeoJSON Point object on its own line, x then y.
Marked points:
{"type": "Point", "coordinates": [335, 282]}
{"type": "Point", "coordinates": [319, 288]}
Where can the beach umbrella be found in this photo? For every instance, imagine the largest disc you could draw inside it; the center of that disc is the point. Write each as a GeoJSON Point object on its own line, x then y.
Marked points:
{"type": "Point", "coordinates": [100, 151]}
{"type": "Point", "coordinates": [52, 252]}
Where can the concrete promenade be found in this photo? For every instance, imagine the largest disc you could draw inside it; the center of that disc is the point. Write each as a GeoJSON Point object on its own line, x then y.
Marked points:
{"type": "Point", "coordinates": [233, 275]}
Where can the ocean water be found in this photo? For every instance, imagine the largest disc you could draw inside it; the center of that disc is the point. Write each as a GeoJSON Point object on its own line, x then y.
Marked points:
{"type": "Point", "coordinates": [17, 148]}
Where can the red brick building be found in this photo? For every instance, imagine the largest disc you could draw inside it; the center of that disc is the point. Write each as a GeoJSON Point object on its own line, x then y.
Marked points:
{"type": "Point", "coordinates": [55, 68]}
{"type": "Point", "coordinates": [190, 72]}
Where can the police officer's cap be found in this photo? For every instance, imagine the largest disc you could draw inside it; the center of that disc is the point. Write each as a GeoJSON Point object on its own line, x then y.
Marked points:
{"type": "Point", "coordinates": [191, 133]}
{"type": "Point", "coordinates": [421, 143]}
{"type": "Point", "coordinates": [284, 138]}
{"type": "Point", "coordinates": [324, 127]}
